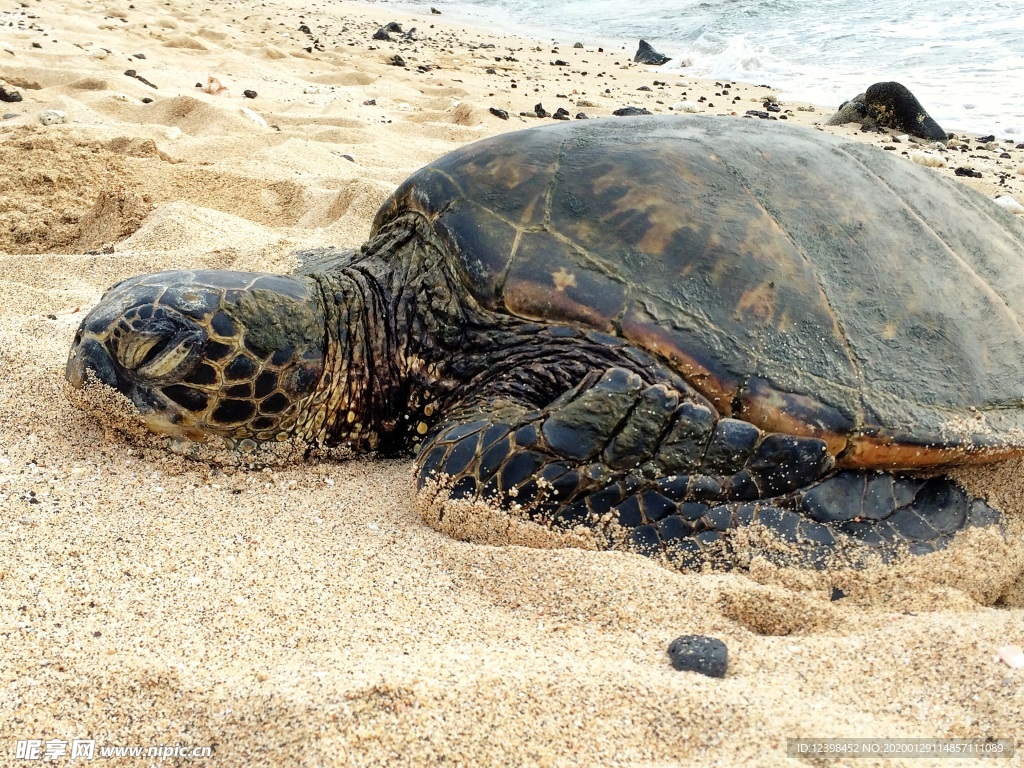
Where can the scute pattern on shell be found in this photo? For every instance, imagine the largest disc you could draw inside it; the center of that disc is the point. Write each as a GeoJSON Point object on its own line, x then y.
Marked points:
{"type": "Point", "coordinates": [810, 285]}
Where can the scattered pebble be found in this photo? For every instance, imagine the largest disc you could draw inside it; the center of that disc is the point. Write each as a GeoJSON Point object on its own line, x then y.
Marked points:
{"type": "Point", "coordinates": [10, 115]}
{"type": "Point", "coordinates": [969, 172]}
{"type": "Point", "coordinates": [928, 159]}
{"type": "Point", "coordinates": [9, 96]}
{"type": "Point", "coordinates": [250, 94]}
{"type": "Point", "coordinates": [499, 113]}
{"type": "Point", "coordinates": [214, 85]}
{"type": "Point", "coordinates": [699, 653]}
{"type": "Point", "coordinates": [1008, 203]}
{"type": "Point", "coordinates": [99, 53]}
{"type": "Point", "coordinates": [52, 117]}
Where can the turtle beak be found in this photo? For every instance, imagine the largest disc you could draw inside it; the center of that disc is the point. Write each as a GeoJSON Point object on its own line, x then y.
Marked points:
{"type": "Point", "coordinates": [89, 355]}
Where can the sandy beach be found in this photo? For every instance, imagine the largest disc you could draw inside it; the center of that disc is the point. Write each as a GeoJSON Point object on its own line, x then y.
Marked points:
{"type": "Point", "coordinates": [305, 614]}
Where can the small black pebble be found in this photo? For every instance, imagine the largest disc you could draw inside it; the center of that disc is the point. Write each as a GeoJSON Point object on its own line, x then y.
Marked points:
{"type": "Point", "coordinates": [147, 100]}
{"type": "Point", "coordinates": [561, 114]}
{"type": "Point", "coordinates": [539, 111]}
{"type": "Point", "coordinates": [499, 113]}
{"type": "Point", "coordinates": [970, 172]}
{"type": "Point", "coordinates": [249, 94]}
{"type": "Point", "coordinates": [9, 96]}
{"type": "Point", "coordinates": [393, 26]}
{"type": "Point", "coordinates": [199, 85]}
{"type": "Point", "coordinates": [699, 653]}
{"type": "Point", "coordinates": [305, 30]}
{"type": "Point", "coordinates": [577, 45]}
{"type": "Point", "coordinates": [582, 116]}
{"type": "Point", "coordinates": [37, 45]}
{"type": "Point", "coordinates": [131, 73]}
{"type": "Point", "coordinates": [397, 61]}
{"type": "Point", "coordinates": [837, 594]}
{"type": "Point", "coordinates": [139, 55]}
{"type": "Point", "coordinates": [561, 63]}
{"type": "Point", "coordinates": [381, 34]}
{"type": "Point", "coordinates": [985, 139]}
{"type": "Point", "coordinates": [10, 115]}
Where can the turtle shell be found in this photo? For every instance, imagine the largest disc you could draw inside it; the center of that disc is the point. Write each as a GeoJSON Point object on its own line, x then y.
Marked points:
{"type": "Point", "coordinates": [805, 283]}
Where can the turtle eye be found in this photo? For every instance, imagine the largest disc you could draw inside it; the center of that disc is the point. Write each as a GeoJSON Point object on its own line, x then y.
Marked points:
{"type": "Point", "coordinates": [159, 347]}
{"type": "Point", "coordinates": [170, 355]}
{"type": "Point", "coordinates": [138, 350]}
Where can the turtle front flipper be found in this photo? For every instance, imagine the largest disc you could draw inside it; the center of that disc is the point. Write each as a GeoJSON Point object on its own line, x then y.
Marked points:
{"type": "Point", "coordinates": [654, 470]}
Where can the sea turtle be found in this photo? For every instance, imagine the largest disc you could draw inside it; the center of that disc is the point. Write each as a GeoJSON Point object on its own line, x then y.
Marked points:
{"type": "Point", "coordinates": [661, 330]}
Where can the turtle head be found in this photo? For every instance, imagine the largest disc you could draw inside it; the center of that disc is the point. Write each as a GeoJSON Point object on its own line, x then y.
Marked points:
{"type": "Point", "coordinates": [207, 352]}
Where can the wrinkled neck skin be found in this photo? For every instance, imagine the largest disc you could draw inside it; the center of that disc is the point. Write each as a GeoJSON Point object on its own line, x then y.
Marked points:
{"type": "Point", "coordinates": [406, 343]}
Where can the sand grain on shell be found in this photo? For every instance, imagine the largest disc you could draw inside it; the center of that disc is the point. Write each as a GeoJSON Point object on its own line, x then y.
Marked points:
{"type": "Point", "coordinates": [303, 613]}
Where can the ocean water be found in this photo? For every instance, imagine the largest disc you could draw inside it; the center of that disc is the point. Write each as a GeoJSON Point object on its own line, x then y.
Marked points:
{"type": "Point", "coordinates": [964, 61]}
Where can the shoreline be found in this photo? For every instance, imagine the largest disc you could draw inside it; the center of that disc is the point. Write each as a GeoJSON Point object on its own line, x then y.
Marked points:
{"type": "Point", "coordinates": [305, 614]}
{"type": "Point", "coordinates": [794, 84]}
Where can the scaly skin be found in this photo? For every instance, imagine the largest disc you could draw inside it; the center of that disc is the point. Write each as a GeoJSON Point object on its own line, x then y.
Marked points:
{"type": "Point", "coordinates": [573, 426]}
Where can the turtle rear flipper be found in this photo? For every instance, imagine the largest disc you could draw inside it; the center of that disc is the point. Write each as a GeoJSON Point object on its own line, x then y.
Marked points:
{"type": "Point", "coordinates": [599, 457]}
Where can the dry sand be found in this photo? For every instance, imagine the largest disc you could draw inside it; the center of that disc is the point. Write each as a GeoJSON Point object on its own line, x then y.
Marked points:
{"type": "Point", "coordinates": [305, 615]}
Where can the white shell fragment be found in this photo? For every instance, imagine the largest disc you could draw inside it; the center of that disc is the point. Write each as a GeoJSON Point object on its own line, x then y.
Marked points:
{"type": "Point", "coordinates": [1012, 656]}
{"type": "Point", "coordinates": [52, 117]}
{"type": "Point", "coordinates": [686, 106]}
{"type": "Point", "coordinates": [255, 117]}
{"type": "Point", "coordinates": [99, 53]}
{"type": "Point", "coordinates": [1007, 202]}
{"type": "Point", "coordinates": [927, 159]}
{"type": "Point", "coordinates": [174, 132]}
